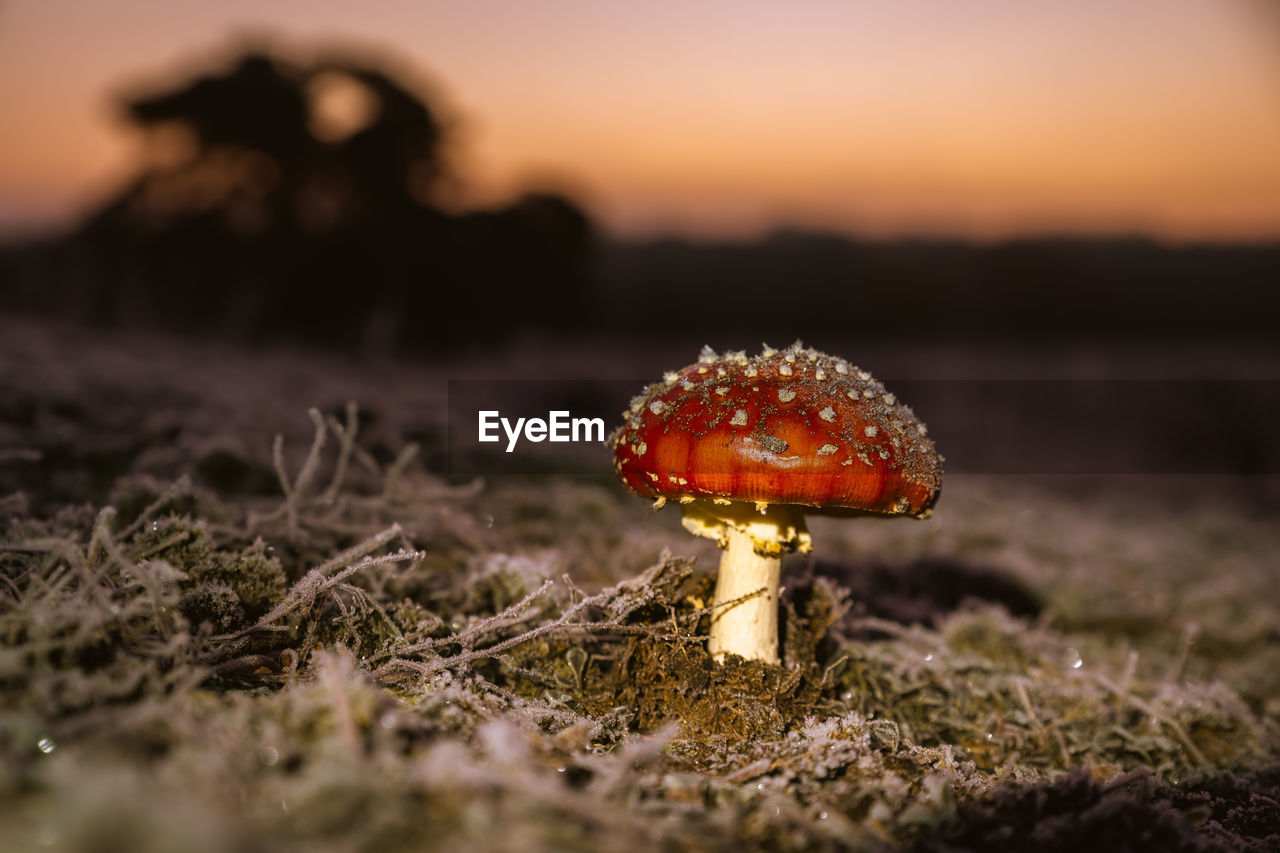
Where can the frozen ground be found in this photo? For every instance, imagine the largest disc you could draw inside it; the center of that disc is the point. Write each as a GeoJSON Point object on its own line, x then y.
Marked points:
{"type": "Point", "coordinates": [197, 655]}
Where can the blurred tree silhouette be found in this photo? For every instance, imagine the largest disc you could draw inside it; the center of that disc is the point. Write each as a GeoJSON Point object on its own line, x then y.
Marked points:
{"type": "Point", "coordinates": [301, 201]}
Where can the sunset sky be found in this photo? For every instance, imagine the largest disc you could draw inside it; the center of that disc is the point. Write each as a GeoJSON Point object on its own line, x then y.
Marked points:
{"type": "Point", "coordinates": [726, 117]}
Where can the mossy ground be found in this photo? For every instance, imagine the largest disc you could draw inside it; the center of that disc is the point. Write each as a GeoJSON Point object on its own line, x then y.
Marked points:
{"type": "Point", "coordinates": [372, 658]}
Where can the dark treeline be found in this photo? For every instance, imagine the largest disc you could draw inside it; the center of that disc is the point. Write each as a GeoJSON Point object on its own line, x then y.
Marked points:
{"type": "Point", "coordinates": [1026, 291]}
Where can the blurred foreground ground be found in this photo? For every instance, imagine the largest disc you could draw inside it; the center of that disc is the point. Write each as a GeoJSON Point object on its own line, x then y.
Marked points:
{"type": "Point", "coordinates": [384, 658]}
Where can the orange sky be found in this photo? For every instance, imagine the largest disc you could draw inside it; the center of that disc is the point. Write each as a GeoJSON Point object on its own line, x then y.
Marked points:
{"type": "Point", "coordinates": [977, 119]}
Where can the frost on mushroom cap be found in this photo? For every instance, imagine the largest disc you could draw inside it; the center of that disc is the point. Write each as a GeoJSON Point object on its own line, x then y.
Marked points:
{"type": "Point", "coordinates": [791, 426]}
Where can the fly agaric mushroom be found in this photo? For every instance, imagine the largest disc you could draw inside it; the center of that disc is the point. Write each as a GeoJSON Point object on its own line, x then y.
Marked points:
{"type": "Point", "coordinates": [748, 445]}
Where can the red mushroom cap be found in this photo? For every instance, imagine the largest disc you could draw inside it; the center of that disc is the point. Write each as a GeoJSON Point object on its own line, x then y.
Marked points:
{"type": "Point", "coordinates": [794, 426]}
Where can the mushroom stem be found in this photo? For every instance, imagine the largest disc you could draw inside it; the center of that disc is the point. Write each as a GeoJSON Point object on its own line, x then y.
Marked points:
{"type": "Point", "coordinates": [754, 537]}
{"type": "Point", "coordinates": [746, 627]}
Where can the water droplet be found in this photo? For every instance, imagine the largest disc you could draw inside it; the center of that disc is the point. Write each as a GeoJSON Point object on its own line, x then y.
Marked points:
{"type": "Point", "coordinates": [488, 521]}
{"type": "Point", "coordinates": [759, 786]}
{"type": "Point", "coordinates": [388, 720]}
{"type": "Point", "coordinates": [559, 769]}
{"type": "Point", "coordinates": [1074, 659]}
{"type": "Point", "coordinates": [284, 805]}
{"type": "Point", "coordinates": [46, 745]}
{"type": "Point", "coordinates": [928, 657]}
{"type": "Point", "coordinates": [269, 755]}
{"type": "Point", "coordinates": [822, 815]}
